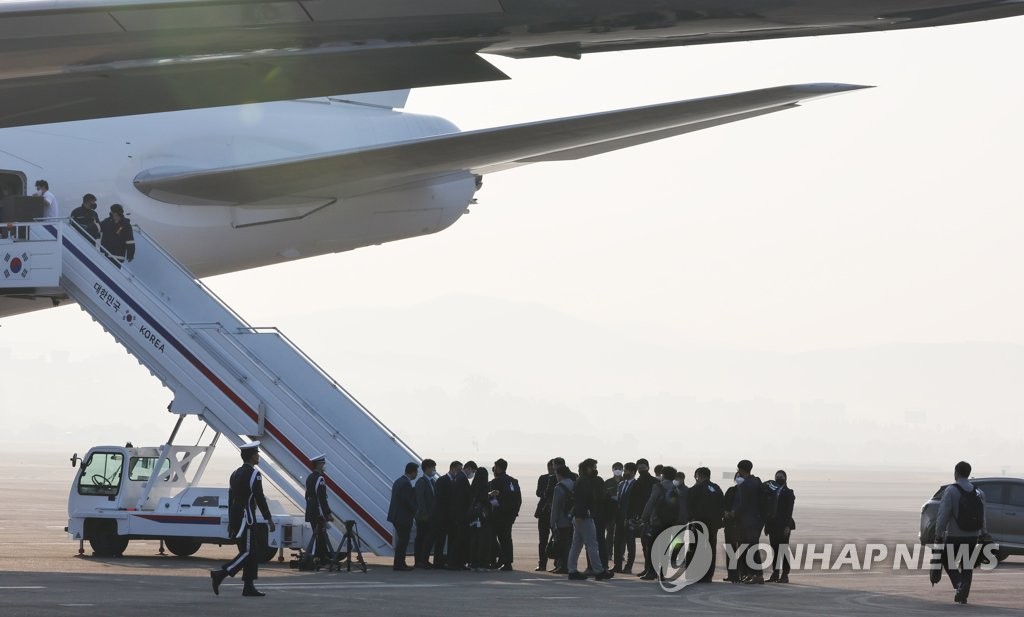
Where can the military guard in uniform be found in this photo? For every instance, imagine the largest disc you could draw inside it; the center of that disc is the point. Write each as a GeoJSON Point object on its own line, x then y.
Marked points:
{"type": "Point", "coordinates": [318, 512]}
{"type": "Point", "coordinates": [244, 497]}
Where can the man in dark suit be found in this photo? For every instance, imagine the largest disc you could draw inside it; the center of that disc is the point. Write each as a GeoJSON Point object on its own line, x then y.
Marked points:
{"type": "Point", "coordinates": [545, 488]}
{"type": "Point", "coordinates": [505, 490]}
{"type": "Point", "coordinates": [642, 492]}
{"type": "Point", "coordinates": [779, 524]}
{"type": "Point", "coordinates": [746, 510]}
{"type": "Point", "coordinates": [458, 520]}
{"type": "Point", "coordinates": [705, 504]}
{"type": "Point", "coordinates": [426, 514]}
{"type": "Point", "coordinates": [443, 509]}
{"type": "Point", "coordinates": [629, 507]}
{"type": "Point", "coordinates": [611, 517]}
{"type": "Point", "coordinates": [245, 498]}
{"type": "Point", "coordinates": [402, 512]}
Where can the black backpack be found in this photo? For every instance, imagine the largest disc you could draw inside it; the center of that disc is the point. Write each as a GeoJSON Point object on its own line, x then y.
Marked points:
{"type": "Point", "coordinates": [667, 508]}
{"type": "Point", "coordinates": [769, 505]}
{"type": "Point", "coordinates": [970, 514]}
{"type": "Point", "coordinates": [570, 499]}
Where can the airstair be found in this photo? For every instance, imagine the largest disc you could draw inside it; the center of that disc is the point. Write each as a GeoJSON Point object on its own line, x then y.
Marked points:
{"type": "Point", "coordinates": [246, 383]}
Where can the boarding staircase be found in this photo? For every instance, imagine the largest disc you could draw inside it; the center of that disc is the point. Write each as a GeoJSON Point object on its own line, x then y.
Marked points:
{"type": "Point", "coordinates": [246, 383]}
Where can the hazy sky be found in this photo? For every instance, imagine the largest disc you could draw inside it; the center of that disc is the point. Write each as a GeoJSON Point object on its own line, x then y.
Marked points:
{"type": "Point", "coordinates": [884, 216]}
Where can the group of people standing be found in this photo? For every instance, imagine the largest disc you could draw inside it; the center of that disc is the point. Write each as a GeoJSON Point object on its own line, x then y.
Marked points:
{"type": "Point", "coordinates": [606, 517]}
{"type": "Point", "coordinates": [463, 519]}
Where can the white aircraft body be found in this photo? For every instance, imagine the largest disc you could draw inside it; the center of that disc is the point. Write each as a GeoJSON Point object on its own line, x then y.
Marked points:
{"type": "Point", "coordinates": [131, 100]}
{"type": "Point", "coordinates": [231, 188]}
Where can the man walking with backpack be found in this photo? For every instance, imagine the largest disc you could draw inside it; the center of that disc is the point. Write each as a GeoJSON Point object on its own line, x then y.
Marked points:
{"type": "Point", "coordinates": [958, 525]}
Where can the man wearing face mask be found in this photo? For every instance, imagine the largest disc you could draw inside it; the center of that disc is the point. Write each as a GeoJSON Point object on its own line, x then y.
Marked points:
{"type": "Point", "coordinates": [779, 523]}
{"type": "Point", "coordinates": [746, 509]}
{"type": "Point", "coordinates": [458, 525]}
{"type": "Point", "coordinates": [660, 513]}
{"type": "Point", "coordinates": [545, 489]}
{"type": "Point", "coordinates": [628, 508]}
{"type": "Point", "coordinates": [611, 489]}
{"type": "Point", "coordinates": [732, 529]}
{"type": "Point", "coordinates": [587, 496]}
{"type": "Point", "coordinates": [645, 483]}
{"type": "Point", "coordinates": [704, 504]}
{"type": "Point", "coordinates": [426, 514]}
{"type": "Point", "coordinates": [506, 499]}
{"type": "Point", "coordinates": [444, 525]}
{"type": "Point", "coordinates": [679, 482]}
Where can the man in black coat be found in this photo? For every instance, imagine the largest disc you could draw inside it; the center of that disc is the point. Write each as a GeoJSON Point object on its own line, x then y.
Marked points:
{"type": "Point", "coordinates": [642, 493]}
{"type": "Point", "coordinates": [318, 511]}
{"type": "Point", "coordinates": [458, 520]}
{"type": "Point", "coordinates": [85, 217]}
{"type": "Point", "coordinates": [705, 503]}
{"type": "Point", "coordinates": [505, 490]}
{"type": "Point", "coordinates": [117, 237]}
{"type": "Point", "coordinates": [779, 524]}
{"type": "Point", "coordinates": [629, 507]}
{"type": "Point", "coordinates": [245, 498]}
{"type": "Point", "coordinates": [746, 510]}
{"type": "Point", "coordinates": [545, 488]}
{"type": "Point", "coordinates": [443, 509]}
{"type": "Point", "coordinates": [426, 514]}
{"type": "Point", "coordinates": [402, 512]}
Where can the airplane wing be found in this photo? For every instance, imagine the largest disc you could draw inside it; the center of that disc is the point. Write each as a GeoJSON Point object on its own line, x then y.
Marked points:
{"type": "Point", "coordinates": [357, 172]}
{"type": "Point", "coordinates": [78, 59]}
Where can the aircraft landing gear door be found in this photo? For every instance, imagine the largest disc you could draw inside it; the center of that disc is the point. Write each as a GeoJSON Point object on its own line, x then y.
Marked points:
{"type": "Point", "coordinates": [99, 481]}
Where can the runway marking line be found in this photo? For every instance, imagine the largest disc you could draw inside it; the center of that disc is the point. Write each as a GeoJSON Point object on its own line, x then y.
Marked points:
{"type": "Point", "coordinates": [24, 587]}
{"type": "Point", "coordinates": [347, 585]}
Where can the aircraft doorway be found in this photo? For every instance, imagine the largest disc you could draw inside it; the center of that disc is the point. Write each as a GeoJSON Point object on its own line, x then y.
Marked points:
{"type": "Point", "coordinates": [12, 184]}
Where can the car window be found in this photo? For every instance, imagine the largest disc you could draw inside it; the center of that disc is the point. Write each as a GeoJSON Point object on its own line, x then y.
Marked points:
{"type": "Point", "coordinates": [1015, 495]}
{"type": "Point", "coordinates": [938, 493]}
{"type": "Point", "coordinates": [994, 491]}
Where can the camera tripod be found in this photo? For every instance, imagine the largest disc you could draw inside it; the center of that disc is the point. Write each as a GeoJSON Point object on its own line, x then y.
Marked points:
{"type": "Point", "coordinates": [350, 542]}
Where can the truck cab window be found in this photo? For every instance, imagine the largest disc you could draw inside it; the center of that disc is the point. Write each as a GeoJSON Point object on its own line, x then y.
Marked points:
{"type": "Point", "coordinates": [101, 474]}
{"type": "Point", "coordinates": [140, 468]}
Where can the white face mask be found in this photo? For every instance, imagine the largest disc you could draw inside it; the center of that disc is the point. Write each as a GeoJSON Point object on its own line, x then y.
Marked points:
{"type": "Point", "coordinates": [739, 480]}
{"type": "Point", "coordinates": [676, 482]}
{"type": "Point", "coordinates": [617, 473]}
{"type": "Point", "coordinates": [470, 475]}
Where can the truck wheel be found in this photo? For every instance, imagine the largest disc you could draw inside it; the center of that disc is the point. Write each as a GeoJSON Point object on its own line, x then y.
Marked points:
{"type": "Point", "coordinates": [104, 539]}
{"type": "Point", "coordinates": [182, 547]}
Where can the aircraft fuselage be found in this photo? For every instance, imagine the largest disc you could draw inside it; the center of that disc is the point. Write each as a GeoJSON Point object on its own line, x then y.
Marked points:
{"type": "Point", "coordinates": [104, 156]}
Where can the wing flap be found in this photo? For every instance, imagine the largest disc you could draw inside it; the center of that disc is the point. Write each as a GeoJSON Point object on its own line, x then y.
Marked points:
{"type": "Point", "coordinates": [350, 173]}
{"type": "Point", "coordinates": [103, 91]}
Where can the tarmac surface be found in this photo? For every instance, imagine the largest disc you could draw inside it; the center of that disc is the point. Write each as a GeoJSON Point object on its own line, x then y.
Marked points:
{"type": "Point", "coordinates": [40, 574]}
